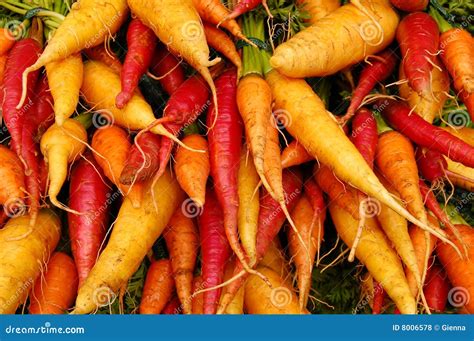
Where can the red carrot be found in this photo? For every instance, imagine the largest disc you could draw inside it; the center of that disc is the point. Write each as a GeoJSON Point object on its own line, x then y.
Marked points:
{"type": "Point", "coordinates": [23, 54]}
{"type": "Point", "coordinates": [173, 307]}
{"type": "Point", "coordinates": [436, 288]}
{"type": "Point", "coordinates": [142, 164]}
{"type": "Point", "coordinates": [215, 250]}
{"type": "Point", "coordinates": [270, 220]}
{"type": "Point", "coordinates": [166, 66]}
{"type": "Point", "coordinates": [379, 297]}
{"type": "Point", "coordinates": [184, 106]}
{"type": "Point", "coordinates": [41, 114]}
{"type": "Point", "coordinates": [402, 118]}
{"type": "Point", "coordinates": [141, 43]}
{"type": "Point", "coordinates": [410, 5]}
{"type": "Point", "coordinates": [244, 6]}
{"type": "Point", "coordinates": [225, 138]}
{"type": "Point", "coordinates": [418, 36]}
{"type": "Point", "coordinates": [365, 135]}
{"type": "Point", "coordinates": [90, 194]}
{"type": "Point", "coordinates": [379, 68]}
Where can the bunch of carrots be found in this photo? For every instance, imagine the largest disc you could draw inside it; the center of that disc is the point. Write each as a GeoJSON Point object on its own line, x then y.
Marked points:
{"type": "Point", "coordinates": [238, 171]}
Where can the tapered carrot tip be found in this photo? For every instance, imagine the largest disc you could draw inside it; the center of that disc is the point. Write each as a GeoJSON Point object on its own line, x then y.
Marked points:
{"type": "Point", "coordinates": [122, 99]}
{"type": "Point", "coordinates": [199, 202]}
{"type": "Point", "coordinates": [276, 62]}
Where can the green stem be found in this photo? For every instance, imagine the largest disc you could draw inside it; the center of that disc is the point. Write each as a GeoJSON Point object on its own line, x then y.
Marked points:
{"type": "Point", "coordinates": [18, 4]}
{"type": "Point", "coordinates": [251, 59]}
{"type": "Point", "coordinates": [442, 23]}
{"type": "Point", "coordinates": [382, 126]}
{"type": "Point", "coordinates": [191, 129]}
{"type": "Point", "coordinates": [12, 8]}
{"type": "Point", "coordinates": [454, 215]}
{"type": "Point", "coordinates": [85, 119]}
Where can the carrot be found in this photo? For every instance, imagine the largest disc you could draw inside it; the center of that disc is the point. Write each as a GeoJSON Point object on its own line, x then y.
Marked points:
{"type": "Point", "coordinates": [410, 5]}
{"type": "Point", "coordinates": [270, 220]}
{"type": "Point", "coordinates": [111, 146]}
{"type": "Point", "coordinates": [294, 154]}
{"type": "Point", "coordinates": [436, 288]}
{"type": "Point", "coordinates": [214, 12]}
{"type": "Point", "coordinates": [224, 150]}
{"type": "Point", "coordinates": [401, 117]}
{"type": "Point", "coordinates": [133, 235]}
{"type": "Point", "coordinates": [87, 24]}
{"type": "Point", "coordinates": [278, 299]}
{"type": "Point", "coordinates": [158, 288]}
{"type": "Point", "coordinates": [33, 246]}
{"type": "Point", "coordinates": [60, 146]}
{"type": "Point", "coordinates": [460, 271]}
{"type": "Point", "coordinates": [168, 68]}
{"type": "Point", "coordinates": [182, 242]}
{"type": "Point", "coordinates": [396, 230]}
{"type": "Point", "coordinates": [318, 9]}
{"type": "Point", "coordinates": [364, 135]}
{"type": "Point", "coordinates": [142, 160]}
{"type": "Point", "coordinates": [101, 54]}
{"type": "Point", "coordinates": [99, 89]}
{"type": "Point", "coordinates": [378, 69]}
{"type": "Point", "coordinates": [418, 37]}
{"type": "Point", "coordinates": [7, 40]}
{"type": "Point", "coordinates": [310, 227]}
{"type": "Point", "coordinates": [219, 41]}
{"type": "Point", "coordinates": [13, 182]}
{"type": "Point", "coordinates": [192, 169]}
{"type": "Point", "coordinates": [141, 43]}
{"type": "Point", "coordinates": [424, 245]}
{"type": "Point", "coordinates": [3, 62]}
{"type": "Point", "coordinates": [466, 172]}
{"type": "Point", "coordinates": [215, 249]}
{"type": "Point", "coordinates": [172, 307]}
{"type": "Point", "coordinates": [65, 80]}
{"type": "Point", "coordinates": [274, 258]}
{"type": "Point", "coordinates": [236, 307]}
{"type": "Point", "coordinates": [359, 29]}
{"type": "Point", "coordinates": [55, 290]}
{"type": "Point", "coordinates": [184, 106]}
{"type": "Point", "coordinates": [428, 105]}
{"type": "Point", "coordinates": [181, 30]}
{"type": "Point", "coordinates": [249, 205]}
{"type": "Point", "coordinates": [40, 117]}
{"type": "Point", "coordinates": [376, 254]}
{"type": "Point", "coordinates": [379, 297]}
{"type": "Point", "coordinates": [464, 133]}
{"type": "Point", "coordinates": [90, 195]}
{"type": "Point", "coordinates": [198, 300]}
{"type": "Point", "coordinates": [321, 136]}
{"type": "Point", "coordinates": [23, 54]}
{"type": "Point", "coordinates": [244, 6]}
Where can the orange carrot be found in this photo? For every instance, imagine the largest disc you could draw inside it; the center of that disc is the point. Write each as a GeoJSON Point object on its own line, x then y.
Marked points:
{"type": "Point", "coordinates": [318, 9]}
{"type": "Point", "coordinates": [192, 168]}
{"type": "Point", "coordinates": [100, 54]}
{"type": "Point", "coordinates": [111, 146]}
{"type": "Point", "coordinates": [13, 182]}
{"type": "Point", "coordinates": [182, 242]}
{"type": "Point", "coordinates": [159, 286]}
{"type": "Point", "coordinates": [198, 300]}
{"type": "Point", "coordinates": [219, 41]}
{"type": "Point", "coordinates": [460, 271]}
{"type": "Point", "coordinates": [294, 154]}
{"type": "Point", "coordinates": [7, 40]}
{"type": "Point", "coordinates": [54, 291]}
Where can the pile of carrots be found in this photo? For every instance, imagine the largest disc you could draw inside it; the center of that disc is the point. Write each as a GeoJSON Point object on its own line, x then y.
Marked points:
{"type": "Point", "coordinates": [241, 167]}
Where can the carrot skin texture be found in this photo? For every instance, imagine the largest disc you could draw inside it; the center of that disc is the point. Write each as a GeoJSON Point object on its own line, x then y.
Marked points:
{"type": "Point", "coordinates": [172, 307]}
{"type": "Point", "coordinates": [379, 297]}
{"type": "Point", "coordinates": [460, 271]}
{"type": "Point", "coordinates": [165, 64]}
{"type": "Point", "coordinates": [192, 168]}
{"type": "Point", "coordinates": [55, 291]}
{"type": "Point", "coordinates": [150, 144]}
{"type": "Point", "coordinates": [375, 72]}
{"type": "Point", "coordinates": [400, 117]}
{"type": "Point", "coordinates": [221, 42]}
{"type": "Point", "coordinates": [33, 249]}
{"type": "Point", "coordinates": [198, 300]}
{"type": "Point", "coordinates": [224, 154]}
{"type": "Point", "coordinates": [364, 135]}
{"type": "Point", "coordinates": [436, 288]}
{"type": "Point", "coordinates": [410, 5]}
{"type": "Point", "coordinates": [318, 9]}
{"type": "Point", "coordinates": [89, 193]}
{"type": "Point", "coordinates": [100, 54]}
{"type": "Point", "coordinates": [243, 6]}
{"type": "Point", "coordinates": [7, 40]}
{"type": "Point", "coordinates": [182, 242]}
{"type": "Point", "coordinates": [141, 43]}
{"type": "Point", "coordinates": [215, 249]}
{"type": "Point", "coordinates": [158, 288]}
{"type": "Point", "coordinates": [23, 54]}
{"type": "Point", "coordinates": [294, 154]}
{"type": "Point", "coordinates": [12, 174]}
{"type": "Point", "coordinates": [431, 164]}
{"type": "Point", "coordinates": [418, 36]}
